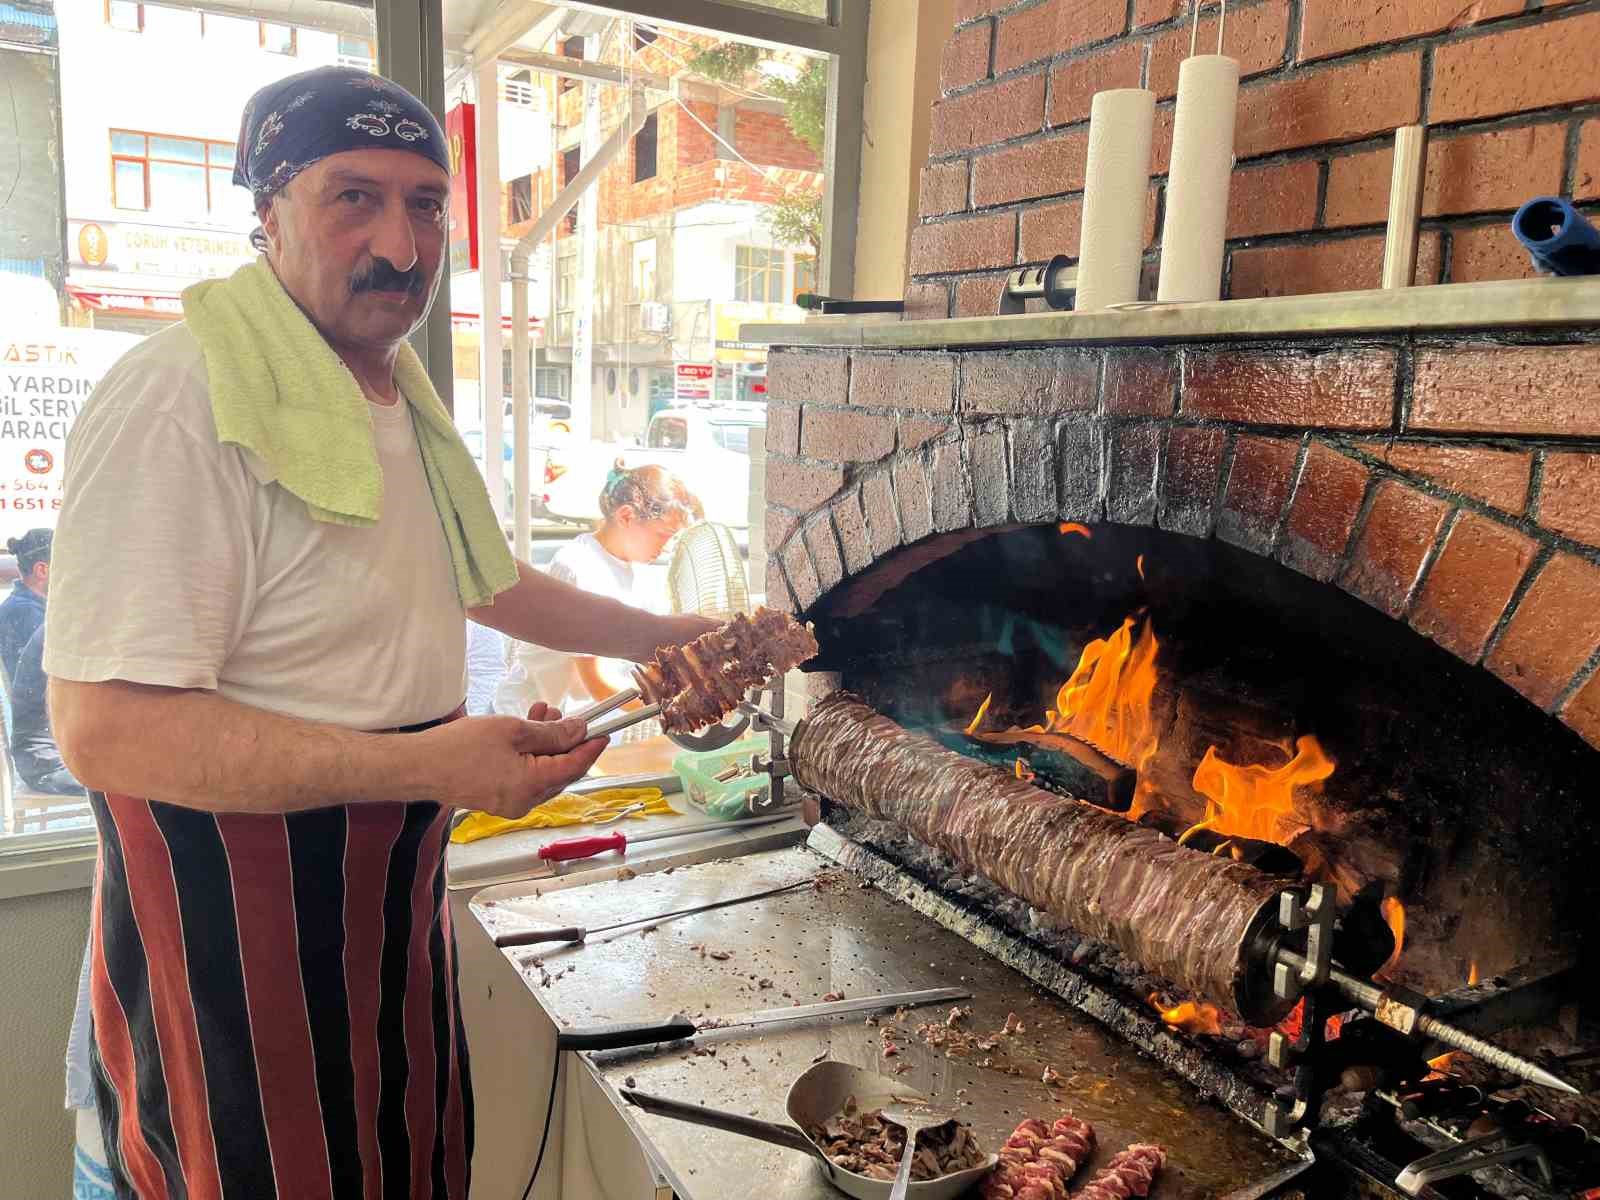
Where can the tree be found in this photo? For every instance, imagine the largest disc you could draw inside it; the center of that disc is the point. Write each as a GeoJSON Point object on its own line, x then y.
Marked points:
{"type": "Point", "coordinates": [797, 218]}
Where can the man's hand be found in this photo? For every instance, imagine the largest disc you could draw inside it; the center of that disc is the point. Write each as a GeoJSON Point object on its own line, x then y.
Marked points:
{"type": "Point", "coordinates": [504, 766]}
{"type": "Point", "coordinates": [676, 630]}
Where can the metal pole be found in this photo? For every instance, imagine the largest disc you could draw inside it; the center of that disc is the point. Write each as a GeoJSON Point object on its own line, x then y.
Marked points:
{"type": "Point", "coordinates": [1405, 206]}
{"type": "Point", "coordinates": [489, 372]}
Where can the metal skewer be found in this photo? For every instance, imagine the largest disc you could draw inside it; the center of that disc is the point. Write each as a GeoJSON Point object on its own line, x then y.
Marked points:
{"type": "Point", "coordinates": [623, 720]}
{"type": "Point", "coordinates": [1374, 1000]}
{"type": "Point", "coordinates": [601, 707]}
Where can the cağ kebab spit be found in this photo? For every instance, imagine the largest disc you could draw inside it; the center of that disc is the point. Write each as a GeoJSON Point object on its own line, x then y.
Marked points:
{"type": "Point", "coordinates": [1220, 929]}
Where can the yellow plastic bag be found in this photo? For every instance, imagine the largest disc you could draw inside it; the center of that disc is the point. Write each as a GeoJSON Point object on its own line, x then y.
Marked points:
{"type": "Point", "coordinates": [565, 809]}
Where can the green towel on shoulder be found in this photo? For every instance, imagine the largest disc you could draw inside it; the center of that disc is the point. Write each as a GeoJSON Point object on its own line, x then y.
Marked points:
{"type": "Point", "coordinates": [279, 391]}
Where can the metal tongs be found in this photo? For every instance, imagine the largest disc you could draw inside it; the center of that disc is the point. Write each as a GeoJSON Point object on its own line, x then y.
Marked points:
{"type": "Point", "coordinates": [622, 720]}
{"type": "Point", "coordinates": [716, 737]}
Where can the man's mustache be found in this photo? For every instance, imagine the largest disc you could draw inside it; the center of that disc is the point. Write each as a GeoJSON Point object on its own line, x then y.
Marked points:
{"type": "Point", "coordinates": [381, 275]}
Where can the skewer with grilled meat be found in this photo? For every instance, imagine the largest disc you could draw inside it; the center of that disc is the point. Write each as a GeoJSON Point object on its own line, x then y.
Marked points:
{"type": "Point", "coordinates": [1038, 1161]}
{"type": "Point", "coordinates": [1129, 1173]}
{"type": "Point", "coordinates": [699, 684]}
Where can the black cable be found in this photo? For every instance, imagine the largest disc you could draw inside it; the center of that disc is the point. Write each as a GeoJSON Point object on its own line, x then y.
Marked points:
{"type": "Point", "coordinates": [549, 1112]}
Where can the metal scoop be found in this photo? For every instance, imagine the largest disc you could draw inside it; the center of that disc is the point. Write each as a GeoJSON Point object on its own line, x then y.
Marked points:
{"type": "Point", "coordinates": [819, 1095]}
{"type": "Point", "coordinates": [913, 1118]}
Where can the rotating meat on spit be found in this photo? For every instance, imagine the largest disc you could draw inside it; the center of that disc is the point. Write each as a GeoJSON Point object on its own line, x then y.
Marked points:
{"type": "Point", "coordinates": [1185, 916]}
{"type": "Point", "coordinates": [699, 684]}
{"type": "Point", "coordinates": [1038, 1160]}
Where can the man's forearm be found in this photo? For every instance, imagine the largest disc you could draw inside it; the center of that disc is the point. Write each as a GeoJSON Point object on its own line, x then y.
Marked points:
{"type": "Point", "coordinates": [199, 750]}
{"type": "Point", "coordinates": [553, 613]}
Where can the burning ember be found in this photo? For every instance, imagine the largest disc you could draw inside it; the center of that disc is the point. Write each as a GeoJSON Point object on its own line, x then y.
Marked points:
{"type": "Point", "coordinates": [1395, 913]}
{"type": "Point", "coordinates": [1024, 771]}
{"type": "Point", "coordinates": [1257, 801]}
{"type": "Point", "coordinates": [1191, 1016]}
{"type": "Point", "coordinates": [1138, 564]}
{"type": "Point", "coordinates": [1074, 527]}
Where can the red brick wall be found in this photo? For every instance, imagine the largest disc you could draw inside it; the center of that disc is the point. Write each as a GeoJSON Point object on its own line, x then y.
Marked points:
{"type": "Point", "coordinates": [1506, 87]}
{"type": "Point", "coordinates": [1394, 469]}
{"type": "Point", "coordinates": [765, 139]}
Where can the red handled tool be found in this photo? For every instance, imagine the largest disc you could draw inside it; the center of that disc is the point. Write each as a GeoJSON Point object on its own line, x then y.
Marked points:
{"type": "Point", "coordinates": [571, 849]}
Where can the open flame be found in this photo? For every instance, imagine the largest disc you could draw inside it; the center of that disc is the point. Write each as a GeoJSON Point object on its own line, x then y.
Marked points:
{"type": "Point", "coordinates": [1074, 527]}
{"type": "Point", "coordinates": [983, 711]}
{"type": "Point", "coordinates": [1445, 1061]}
{"type": "Point", "coordinates": [1395, 914]}
{"type": "Point", "coordinates": [1258, 801]}
{"type": "Point", "coordinates": [1106, 700]}
{"type": "Point", "coordinates": [1191, 1016]}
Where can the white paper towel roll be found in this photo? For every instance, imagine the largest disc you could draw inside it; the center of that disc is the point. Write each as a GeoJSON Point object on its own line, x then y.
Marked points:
{"type": "Point", "coordinates": [1197, 183]}
{"type": "Point", "coordinates": [1118, 172]}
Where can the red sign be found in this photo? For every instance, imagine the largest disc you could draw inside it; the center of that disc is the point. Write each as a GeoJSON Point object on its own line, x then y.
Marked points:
{"type": "Point", "coordinates": [693, 380]}
{"type": "Point", "coordinates": [461, 128]}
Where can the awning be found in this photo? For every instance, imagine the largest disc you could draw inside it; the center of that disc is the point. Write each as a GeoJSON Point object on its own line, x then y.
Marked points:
{"type": "Point", "coordinates": [469, 322]}
{"type": "Point", "coordinates": [118, 300]}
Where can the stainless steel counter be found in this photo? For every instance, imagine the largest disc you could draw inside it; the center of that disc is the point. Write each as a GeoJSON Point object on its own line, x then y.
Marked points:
{"type": "Point", "coordinates": [796, 948]}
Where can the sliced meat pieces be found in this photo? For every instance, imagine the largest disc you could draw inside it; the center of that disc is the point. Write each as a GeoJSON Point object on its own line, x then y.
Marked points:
{"type": "Point", "coordinates": [1129, 1173]}
{"type": "Point", "coordinates": [699, 684]}
{"type": "Point", "coordinates": [1186, 916]}
{"type": "Point", "coordinates": [1038, 1160]}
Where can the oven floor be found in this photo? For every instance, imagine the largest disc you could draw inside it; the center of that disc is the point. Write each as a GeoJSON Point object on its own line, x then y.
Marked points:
{"type": "Point", "coordinates": [842, 938]}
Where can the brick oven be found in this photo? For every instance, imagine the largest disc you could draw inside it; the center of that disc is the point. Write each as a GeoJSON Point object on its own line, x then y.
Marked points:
{"type": "Point", "coordinates": [1308, 577]}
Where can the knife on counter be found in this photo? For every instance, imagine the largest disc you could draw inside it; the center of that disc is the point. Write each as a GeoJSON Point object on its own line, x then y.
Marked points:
{"type": "Point", "coordinates": [679, 1027]}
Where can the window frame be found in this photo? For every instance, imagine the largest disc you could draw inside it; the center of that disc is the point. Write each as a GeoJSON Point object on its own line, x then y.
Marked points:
{"type": "Point", "coordinates": [139, 11]}
{"type": "Point", "coordinates": [772, 272]}
{"type": "Point", "coordinates": [205, 165]}
{"type": "Point", "coordinates": [294, 38]}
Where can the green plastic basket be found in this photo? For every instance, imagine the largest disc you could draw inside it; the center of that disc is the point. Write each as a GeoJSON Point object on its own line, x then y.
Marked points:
{"type": "Point", "coordinates": [723, 800]}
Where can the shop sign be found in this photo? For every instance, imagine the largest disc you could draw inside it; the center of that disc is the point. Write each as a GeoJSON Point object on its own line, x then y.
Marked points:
{"type": "Point", "coordinates": [46, 375]}
{"type": "Point", "coordinates": [692, 381]}
{"type": "Point", "coordinates": [461, 131]}
{"type": "Point", "coordinates": [187, 254]}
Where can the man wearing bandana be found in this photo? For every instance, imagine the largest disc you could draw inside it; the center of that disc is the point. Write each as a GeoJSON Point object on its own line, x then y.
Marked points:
{"type": "Point", "coordinates": [257, 651]}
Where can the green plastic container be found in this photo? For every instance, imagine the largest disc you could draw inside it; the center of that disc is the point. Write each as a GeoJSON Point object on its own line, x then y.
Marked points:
{"type": "Point", "coordinates": [723, 800]}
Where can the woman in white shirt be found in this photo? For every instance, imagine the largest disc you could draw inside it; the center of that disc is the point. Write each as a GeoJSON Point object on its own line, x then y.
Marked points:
{"type": "Point", "coordinates": [643, 509]}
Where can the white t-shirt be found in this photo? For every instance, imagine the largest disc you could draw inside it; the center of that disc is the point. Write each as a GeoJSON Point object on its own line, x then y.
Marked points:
{"type": "Point", "coordinates": [539, 673]}
{"type": "Point", "coordinates": [175, 564]}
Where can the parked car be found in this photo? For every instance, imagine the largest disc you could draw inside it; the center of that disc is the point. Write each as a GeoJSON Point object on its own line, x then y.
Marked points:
{"type": "Point", "coordinates": [708, 448]}
{"type": "Point", "coordinates": [536, 470]}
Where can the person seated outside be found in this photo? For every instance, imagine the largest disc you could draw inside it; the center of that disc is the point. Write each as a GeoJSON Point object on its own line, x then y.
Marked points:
{"type": "Point", "coordinates": [33, 747]}
{"type": "Point", "coordinates": [23, 610]}
{"type": "Point", "coordinates": [643, 509]}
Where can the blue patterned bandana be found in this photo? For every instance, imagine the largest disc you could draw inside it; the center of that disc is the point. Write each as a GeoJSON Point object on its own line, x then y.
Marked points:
{"type": "Point", "coordinates": [295, 122]}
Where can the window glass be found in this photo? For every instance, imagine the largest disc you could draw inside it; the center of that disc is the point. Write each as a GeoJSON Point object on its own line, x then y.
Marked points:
{"type": "Point", "coordinates": [758, 275]}
{"type": "Point", "coordinates": [644, 151]}
{"type": "Point", "coordinates": [669, 433]}
{"type": "Point", "coordinates": [123, 14]}
{"type": "Point", "coordinates": [278, 39]}
{"type": "Point", "coordinates": [178, 149]}
{"type": "Point", "coordinates": [711, 221]}
{"type": "Point", "coordinates": [805, 273]}
{"type": "Point", "coordinates": [128, 184]}
{"type": "Point", "coordinates": [644, 270]}
{"type": "Point", "coordinates": [177, 189]}
{"type": "Point", "coordinates": [111, 218]}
